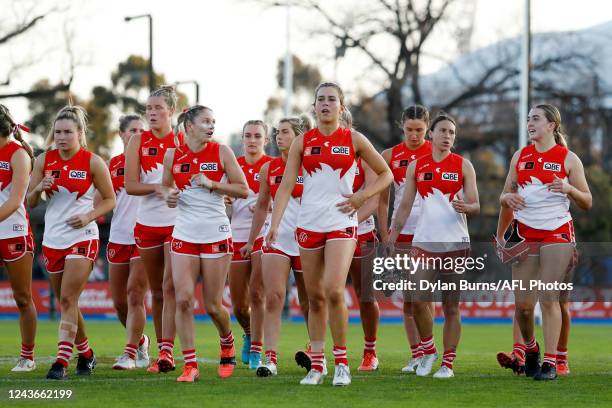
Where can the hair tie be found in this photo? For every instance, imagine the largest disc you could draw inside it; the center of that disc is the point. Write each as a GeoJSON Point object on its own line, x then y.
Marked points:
{"type": "Point", "coordinates": [23, 127]}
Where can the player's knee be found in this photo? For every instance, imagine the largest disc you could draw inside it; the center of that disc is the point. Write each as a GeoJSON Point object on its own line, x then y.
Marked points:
{"type": "Point", "coordinates": [67, 302]}
{"type": "Point", "coordinates": [549, 305]}
{"type": "Point", "coordinates": [256, 297]}
{"type": "Point", "coordinates": [135, 296]}
{"type": "Point", "coordinates": [524, 310]}
{"type": "Point", "coordinates": [214, 310]}
{"type": "Point", "coordinates": [408, 310]}
{"type": "Point", "coordinates": [335, 297]}
{"type": "Point", "coordinates": [22, 299]}
{"type": "Point", "coordinates": [274, 300]}
{"type": "Point", "coordinates": [316, 302]}
{"type": "Point", "coordinates": [184, 303]}
{"type": "Point", "coordinates": [451, 310]}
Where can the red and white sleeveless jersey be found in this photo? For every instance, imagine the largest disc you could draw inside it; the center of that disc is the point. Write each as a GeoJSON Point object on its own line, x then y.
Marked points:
{"type": "Point", "coordinates": [401, 157]}
{"type": "Point", "coordinates": [242, 216]}
{"type": "Point", "coordinates": [544, 209]}
{"type": "Point", "coordinates": [124, 214]}
{"type": "Point", "coordinates": [286, 230]}
{"type": "Point", "coordinates": [366, 225]}
{"type": "Point", "coordinates": [438, 184]}
{"type": "Point", "coordinates": [201, 213]}
{"type": "Point", "coordinates": [72, 193]}
{"type": "Point", "coordinates": [329, 171]}
{"type": "Point", "coordinates": [153, 210]}
{"type": "Point", "coordinates": [16, 225]}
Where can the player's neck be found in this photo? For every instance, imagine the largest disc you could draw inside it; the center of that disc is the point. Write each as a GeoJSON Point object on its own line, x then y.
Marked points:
{"type": "Point", "coordinates": [285, 156]}
{"type": "Point", "coordinates": [253, 158]}
{"type": "Point", "coordinates": [544, 145]}
{"type": "Point", "coordinates": [196, 146]}
{"type": "Point", "coordinates": [68, 154]}
{"type": "Point", "coordinates": [439, 155]}
{"type": "Point", "coordinates": [160, 133]}
{"type": "Point", "coordinates": [327, 129]}
{"type": "Point", "coordinates": [3, 141]}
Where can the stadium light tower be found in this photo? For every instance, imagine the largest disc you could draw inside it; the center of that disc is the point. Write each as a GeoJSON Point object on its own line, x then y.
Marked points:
{"type": "Point", "coordinates": [151, 72]}
{"type": "Point", "coordinates": [197, 88]}
{"type": "Point", "coordinates": [525, 68]}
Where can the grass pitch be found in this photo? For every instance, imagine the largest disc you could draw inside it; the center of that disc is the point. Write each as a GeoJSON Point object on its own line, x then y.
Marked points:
{"type": "Point", "coordinates": [478, 381]}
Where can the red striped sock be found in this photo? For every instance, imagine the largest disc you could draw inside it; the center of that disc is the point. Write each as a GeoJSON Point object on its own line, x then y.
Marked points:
{"type": "Point", "coordinates": [519, 349]}
{"type": "Point", "coordinates": [141, 341]}
{"type": "Point", "coordinates": [27, 351]}
{"type": "Point", "coordinates": [550, 359]}
{"type": "Point", "coordinates": [316, 360]}
{"type": "Point", "coordinates": [416, 350]}
{"type": "Point", "coordinates": [159, 344]}
{"type": "Point", "coordinates": [561, 355]}
{"type": "Point", "coordinates": [370, 345]}
{"type": "Point", "coordinates": [227, 342]}
{"type": "Point", "coordinates": [167, 346]}
{"type": "Point", "coordinates": [531, 346]}
{"type": "Point", "coordinates": [340, 355]}
{"type": "Point", "coordinates": [448, 358]}
{"type": "Point", "coordinates": [84, 349]}
{"type": "Point", "coordinates": [427, 345]}
{"type": "Point", "coordinates": [64, 352]}
{"type": "Point", "coordinates": [130, 350]}
{"type": "Point", "coordinates": [256, 347]}
{"type": "Point", "coordinates": [189, 356]}
{"type": "Point", "coordinates": [271, 355]}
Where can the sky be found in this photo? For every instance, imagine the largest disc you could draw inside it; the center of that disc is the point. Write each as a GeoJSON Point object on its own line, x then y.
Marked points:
{"type": "Point", "coordinates": [232, 47]}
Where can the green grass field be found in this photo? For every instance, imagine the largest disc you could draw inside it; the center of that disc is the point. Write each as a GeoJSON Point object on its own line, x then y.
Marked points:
{"type": "Point", "coordinates": [478, 379]}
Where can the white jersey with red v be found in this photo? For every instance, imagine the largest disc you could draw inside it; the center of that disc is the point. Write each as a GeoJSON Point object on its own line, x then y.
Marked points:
{"type": "Point", "coordinates": [72, 194]}
{"type": "Point", "coordinates": [153, 210]}
{"type": "Point", "coordinates": [201, 213]}
{"type": "Point", "coordinates": [242, 214]}
{"type": "Point", "coordinates": [329, 172]}
{"type": "Point", "coordinates": [286, 230]}
{"type": "Point", "coordinates": [544, 209]}
{"type": "Point", "coordinates": [124, 214]}
{"type": "Point", "coordinates": [16, 224]}
{"type": "Point", "coordinates": [438, 184]}
{"type": "Point", "coordinates": [366, 225]}
{"type": "Point", "coordinates": [401, 157]}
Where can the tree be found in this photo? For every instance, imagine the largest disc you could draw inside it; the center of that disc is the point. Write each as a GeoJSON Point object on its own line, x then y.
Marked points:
{"type": "Point", "coordinates": [305, 78]}
{"type": "Point", "coordinates": [25, 16]}
{"type": "Point", "coordinates": [129, 86]}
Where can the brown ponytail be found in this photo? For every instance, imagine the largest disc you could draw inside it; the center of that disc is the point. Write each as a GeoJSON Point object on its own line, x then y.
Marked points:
{"type": "Point", "coordinates": [553, 115]}
{"type": "Point", "coordinates": [8, 126]}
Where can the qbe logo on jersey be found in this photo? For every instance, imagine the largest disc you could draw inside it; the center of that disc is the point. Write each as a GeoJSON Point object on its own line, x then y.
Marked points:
{"type": "Point", "coordinates": [344, 150]}
{"type": "Point", "coordinates": [208, 166]}
{"type": "Point", "coordinates": [556, 167]}
{"type": "Point", "coordinates": [5, 165]}
{"type": "Point", "coordinates": [450, 176]}
{"type": "Point", "coordinates": [77, 174]}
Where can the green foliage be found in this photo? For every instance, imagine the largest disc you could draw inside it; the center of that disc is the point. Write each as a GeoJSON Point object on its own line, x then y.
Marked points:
{"type": "Point", "coordinates": [478, 381]}
{"type": "Point", "coordinates": [129, 87]}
